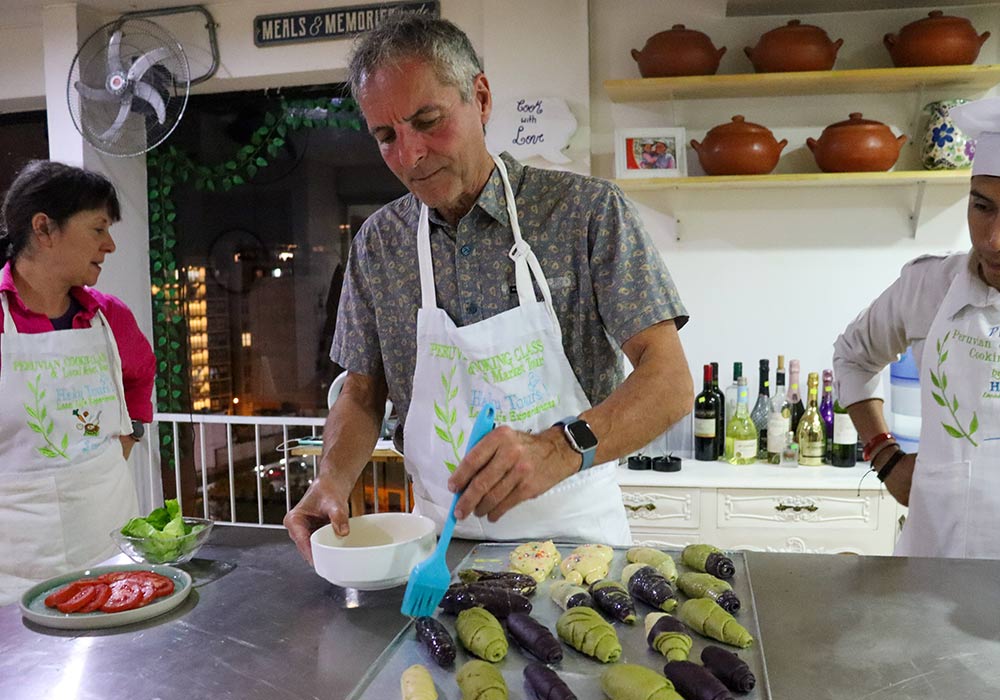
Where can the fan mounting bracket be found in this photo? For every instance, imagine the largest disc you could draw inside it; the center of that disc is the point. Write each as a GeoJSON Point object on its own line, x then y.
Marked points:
{"type": "Point", "coordinates": [210, 25]}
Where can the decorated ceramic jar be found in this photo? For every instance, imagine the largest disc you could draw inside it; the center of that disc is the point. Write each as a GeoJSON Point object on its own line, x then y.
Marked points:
{"type": "Point", "coordinates": [676, 52]}
{"type": "Point", "coordinates": [945, 147]}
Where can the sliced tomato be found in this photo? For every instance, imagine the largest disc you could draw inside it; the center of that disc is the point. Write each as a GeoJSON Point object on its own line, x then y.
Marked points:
{"type": "Point", "coordinates": [113, 576]}
{"type": "Point", "coordinates": [163, 584]}
{"type": "Point", "coordinates": [84, 595]}
{"type": "Point", "coordinates": [103, 593]}
{"type": "Point", "coordinates": [63, 594]}
{"type": "Point", "coordinates": [125, 595]}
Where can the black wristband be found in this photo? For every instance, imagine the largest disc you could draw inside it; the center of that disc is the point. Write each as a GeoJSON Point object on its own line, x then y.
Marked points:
{"type": "Point", "coordinates": [890, 464]}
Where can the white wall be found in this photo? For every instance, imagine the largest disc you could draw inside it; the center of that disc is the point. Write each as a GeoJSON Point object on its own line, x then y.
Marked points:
{"type": "Point", "coordinates": [764, 272]}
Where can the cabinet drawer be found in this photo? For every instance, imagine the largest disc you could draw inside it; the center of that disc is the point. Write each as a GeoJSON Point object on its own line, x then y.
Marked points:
{"type": "Point", "coordinates": [665, 539]}
{"type": "Point", "coordinates": [815, 541]}
{"type": "Point", "coordinates": [662, 508]}
{"type": "Point", "coordinates": [843, 510]}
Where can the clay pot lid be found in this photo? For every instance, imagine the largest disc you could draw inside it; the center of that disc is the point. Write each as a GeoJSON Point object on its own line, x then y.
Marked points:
{"type": "Point", "coordinates": [795, 26]}
{"type": "Point", "coordinates": [856, 120]}
{"type": "Point", "coordinates": [739, 125]}
{"type": "Point", "coordinates": [938, 18]}
{"type": "Point", "coordinates": [678, 31]}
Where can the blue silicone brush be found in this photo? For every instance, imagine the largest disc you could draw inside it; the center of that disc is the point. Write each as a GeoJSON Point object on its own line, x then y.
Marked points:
{"type": "Point", "coordinates": [430, 578]}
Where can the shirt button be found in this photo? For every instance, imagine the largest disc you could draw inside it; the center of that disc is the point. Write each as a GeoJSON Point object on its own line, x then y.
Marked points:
{"type": "Point", "coordinates": [471, 309]}
{"type": "Point", "coordinates": [465, 250]}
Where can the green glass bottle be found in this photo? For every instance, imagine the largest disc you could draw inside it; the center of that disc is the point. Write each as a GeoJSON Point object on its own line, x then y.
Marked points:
{"type": "Point", "coordinates": [741, 433]}
{"type": "Point", "coordinates": [845, 438]}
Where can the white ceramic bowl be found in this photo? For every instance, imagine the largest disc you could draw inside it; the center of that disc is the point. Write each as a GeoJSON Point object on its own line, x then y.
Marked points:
{"type": "Point", "coordinates": [379, 552]}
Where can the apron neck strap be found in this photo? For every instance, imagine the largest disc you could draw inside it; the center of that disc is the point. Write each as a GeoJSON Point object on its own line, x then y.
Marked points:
{"type": "Point", "coordinates": [526, 264]}
{"type": "Point", "coordinates": [8, 320]}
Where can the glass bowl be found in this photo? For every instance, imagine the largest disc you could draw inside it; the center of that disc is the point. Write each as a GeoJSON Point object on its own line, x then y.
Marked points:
{"type": "Point", "coordinates": [164, 550]}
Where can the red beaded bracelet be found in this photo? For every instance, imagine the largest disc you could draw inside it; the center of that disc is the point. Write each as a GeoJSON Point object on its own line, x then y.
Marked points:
{"type": "Point", "coordinates": [869, 449]}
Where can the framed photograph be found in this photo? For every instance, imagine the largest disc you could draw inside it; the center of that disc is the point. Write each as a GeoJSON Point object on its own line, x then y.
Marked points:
{"type": "Point", "coordinates": [650, 152]}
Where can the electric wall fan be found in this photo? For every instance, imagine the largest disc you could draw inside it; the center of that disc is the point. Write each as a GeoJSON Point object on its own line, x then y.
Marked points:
{"type": "Point", "coordinates": [128, 86]}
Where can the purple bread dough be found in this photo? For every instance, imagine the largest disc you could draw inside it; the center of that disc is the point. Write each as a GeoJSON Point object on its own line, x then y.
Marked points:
{"type": "Point", "coordinates": [546, 683]}
{"type": "Point", "coordinates": [695, 682]}
{"type": "Point", "coordinates": [728, 668]}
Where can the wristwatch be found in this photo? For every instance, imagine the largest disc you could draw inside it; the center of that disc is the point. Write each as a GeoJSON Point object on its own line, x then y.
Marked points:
{"type": "Point", "coordinates": [581, 438]}
{"type": "Point", "coordinates": [138, 430]}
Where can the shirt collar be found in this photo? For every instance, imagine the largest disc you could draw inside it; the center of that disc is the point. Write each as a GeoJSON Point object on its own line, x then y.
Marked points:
{"type": "Point", "coordinates": [81, 294]}
{"type": "Point", "coordinates": [970, 290]}
{"type": "Point", "coordinates": [491, 199]}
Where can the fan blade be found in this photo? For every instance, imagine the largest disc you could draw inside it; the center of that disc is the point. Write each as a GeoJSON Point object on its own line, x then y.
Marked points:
{"type": "Point", "coordinates": [145, 92]}
{"type": "Point", "coordinates": [115, 53]}
{"type": "Point", "coordinates": [95, 94]}
{"type": "Point", "coordinates": [111, 135]}
{"type": "Point", "coordinates": [147, 61]}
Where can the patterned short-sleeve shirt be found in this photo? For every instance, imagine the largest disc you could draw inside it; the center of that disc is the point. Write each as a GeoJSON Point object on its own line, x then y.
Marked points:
{"type": "Point", "coordinates": [607, 280]}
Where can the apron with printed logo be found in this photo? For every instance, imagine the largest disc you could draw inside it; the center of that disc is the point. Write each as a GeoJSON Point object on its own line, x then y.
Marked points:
{"type": "Point", "coordinates": [954, 506]}
{"type": "Point", "coordinates": [514, 360]}
{"type": "Point", "coordinates": [64, 484]}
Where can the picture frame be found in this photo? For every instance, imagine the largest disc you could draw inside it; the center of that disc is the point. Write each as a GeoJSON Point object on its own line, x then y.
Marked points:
{"type": "Point", "coordinates": [650, 152]}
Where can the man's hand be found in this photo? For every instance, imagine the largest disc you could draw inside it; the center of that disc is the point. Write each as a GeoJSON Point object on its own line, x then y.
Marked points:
{"type": "Point", "coordinates": [901, 478]}
{"type": "Point", "coordinates": [323, 503]}
{"type": "Point", "coordinates": [508, 467]}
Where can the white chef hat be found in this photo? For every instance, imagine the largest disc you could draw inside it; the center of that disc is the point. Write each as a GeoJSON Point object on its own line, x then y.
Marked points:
{"type": "Point", "coordinates": [980, 120]}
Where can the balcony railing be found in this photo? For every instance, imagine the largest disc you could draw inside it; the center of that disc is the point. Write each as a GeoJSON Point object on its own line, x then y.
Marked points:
{"type": "Point", "coordinates": [218, 457]}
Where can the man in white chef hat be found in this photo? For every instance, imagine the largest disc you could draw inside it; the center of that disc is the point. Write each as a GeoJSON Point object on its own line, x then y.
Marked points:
{"type": "Point", "coordinates": [948, 309]}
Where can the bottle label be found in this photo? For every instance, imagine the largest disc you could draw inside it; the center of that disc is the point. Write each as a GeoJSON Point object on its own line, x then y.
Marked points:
{"type": "Point", "coordinates": [776, 432]}
{"type": "Point", "coordinates": [704, 427]}
{"type": "Point", "coordinates": [745, 449]}
{"type": "Point", "coordinates": [844, 432]}
{"type": "Point", "coordinates": [812, 449]}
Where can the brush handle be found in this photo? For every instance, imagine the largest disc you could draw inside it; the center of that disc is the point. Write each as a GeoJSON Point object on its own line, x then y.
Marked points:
{"type": "Point", "coordinates": [483, 425]}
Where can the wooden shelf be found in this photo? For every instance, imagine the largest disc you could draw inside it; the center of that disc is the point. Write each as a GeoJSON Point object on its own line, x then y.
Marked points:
{"type": "Point", "coordinates": [751, 8]}
{"type": "Point", "coordinates": [735, 182]}
{"type": "Point", "coordinates": [867, 80]}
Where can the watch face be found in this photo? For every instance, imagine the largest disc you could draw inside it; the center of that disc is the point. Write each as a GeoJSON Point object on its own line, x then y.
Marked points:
{"type": "Point", "coordinates": [582, 435]}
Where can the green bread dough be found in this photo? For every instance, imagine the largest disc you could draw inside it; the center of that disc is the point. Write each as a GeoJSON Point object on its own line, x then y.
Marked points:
{"type": "Point", "coordinates": [634, 682]}
{"type": "Point", "coordinates": [674, 645]}
{"type": "Point", "coordinates": [697, 585]}
{"type": "Point", "coordinates": [706, 617]}
{"type": "Point", "coordinates": [479, 680]}
{"type": "Point", "coordinates": [481, 634]}
{"type": "Point", "coordinates": [585, 630]}
{"type": "Point", "coordinates": [661, 561]}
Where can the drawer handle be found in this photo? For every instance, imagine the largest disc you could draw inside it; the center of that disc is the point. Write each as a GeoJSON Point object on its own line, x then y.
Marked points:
{"type": "Point", "coordinates": [644, 506]}
{"type": "Point", "coordinates": [783, 507]}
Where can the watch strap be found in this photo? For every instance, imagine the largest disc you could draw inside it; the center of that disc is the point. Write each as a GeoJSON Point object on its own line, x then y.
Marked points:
{"type": "Point", "coordinates": [588, 455]}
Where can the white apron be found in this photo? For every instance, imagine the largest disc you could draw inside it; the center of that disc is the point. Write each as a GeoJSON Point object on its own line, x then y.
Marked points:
{"type": "Point", "coordinates": [64, 484]}
{"type": "Point", "coordinates": [955, 497]}
{"type": "Point", "coordinates": [515, 360]}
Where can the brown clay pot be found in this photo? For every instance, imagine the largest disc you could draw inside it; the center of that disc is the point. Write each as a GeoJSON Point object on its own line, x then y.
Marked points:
{"type": "Point", "coordinates": [936, 40]}
{"type": "Point", "coordinates": [739, 147]}
{"type": "Point", "coordinates": [678, 51]}
{"type": "Point", "coordinates": [856, 145]}
{"type": "Point", "coordinates": [794, 47]}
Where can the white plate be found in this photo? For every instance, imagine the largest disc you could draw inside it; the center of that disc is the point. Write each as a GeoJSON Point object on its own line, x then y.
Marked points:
{"type": "Point", "coordinates": [33, 601]}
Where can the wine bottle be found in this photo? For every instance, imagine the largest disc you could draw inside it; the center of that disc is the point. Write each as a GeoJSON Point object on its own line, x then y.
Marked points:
{"type": "Point", "coordinates": [741, 435]}
{"type": "Point", "coordinates": [720, 421]}
{"type": "Point", "coordinates": [706, 412]}
{"type": "Point", "coordinates": [794, 398]}
{"type": "Point", "coordinates": [732, 391]}
{"type": "Point", "coordinates": [845, 438]}
{"type": "Point", "coordinates": [762, 409]}
{"type": "Point", "coordinates": [826, 413]}
{"type": "Point", "coordinates": [779, 420]}
{"type": "Point", "coordinates": [811, 434]}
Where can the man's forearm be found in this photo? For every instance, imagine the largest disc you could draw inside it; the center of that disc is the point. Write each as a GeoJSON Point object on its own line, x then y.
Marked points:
{"type": "Point", "coordinates": [351, 431]}
{"type": "Point", "coordinates": [868, 419]}
{"type": "Point", "coordinates": [657, 394]}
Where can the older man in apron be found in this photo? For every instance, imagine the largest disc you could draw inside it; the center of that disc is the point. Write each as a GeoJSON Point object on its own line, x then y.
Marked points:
{"type": "Point", "coordinates": [66, 484]}
{"type": "Point", "coordinates": [443, 339]}
{"type": "Point", "coordinates": [948, 308]}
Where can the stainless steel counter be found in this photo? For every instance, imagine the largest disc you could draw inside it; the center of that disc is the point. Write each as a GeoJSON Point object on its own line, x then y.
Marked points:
{"type": "Point", "coordinates": [833, 627]}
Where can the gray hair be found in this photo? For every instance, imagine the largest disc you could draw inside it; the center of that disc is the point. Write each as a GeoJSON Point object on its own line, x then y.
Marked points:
{"type": "Point", "coordinates": [413, 35]}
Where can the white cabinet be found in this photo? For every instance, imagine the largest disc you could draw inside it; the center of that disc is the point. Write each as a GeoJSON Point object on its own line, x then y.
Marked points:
{"type": "Point", "coordinates": [761, 507]}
